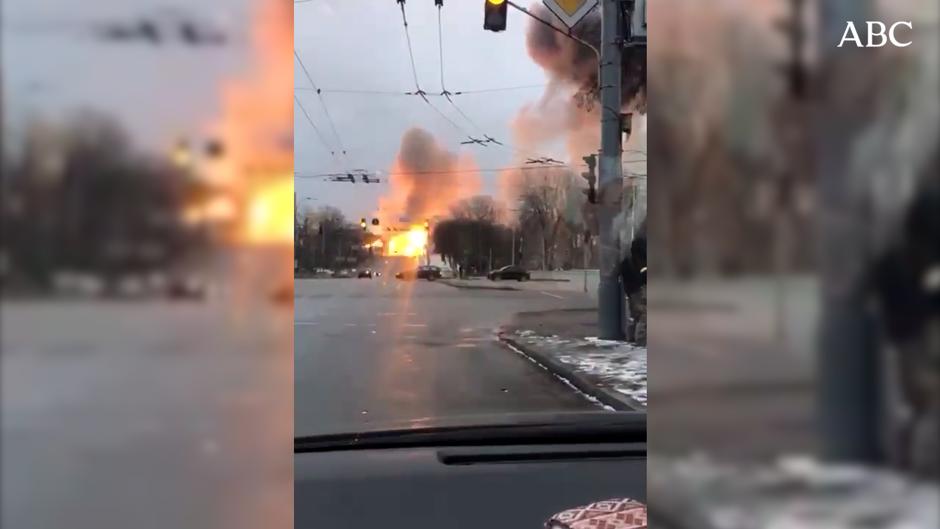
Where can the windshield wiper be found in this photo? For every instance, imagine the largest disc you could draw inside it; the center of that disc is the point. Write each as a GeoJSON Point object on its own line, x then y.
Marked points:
{"type": "Point", "coordinates": [624, 427]}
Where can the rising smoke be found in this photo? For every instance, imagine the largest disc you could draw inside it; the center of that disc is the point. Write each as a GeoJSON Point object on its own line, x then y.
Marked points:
{"type": "Point", "coordinates": [569, 62]}
{"type": "Point", "coordinates": [427, 178]}
{"type": "Point", "coordinates": [568, 111]}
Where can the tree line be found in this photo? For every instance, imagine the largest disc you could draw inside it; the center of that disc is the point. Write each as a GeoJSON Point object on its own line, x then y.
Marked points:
{"type": "Point", "coordinates": [78, 196]}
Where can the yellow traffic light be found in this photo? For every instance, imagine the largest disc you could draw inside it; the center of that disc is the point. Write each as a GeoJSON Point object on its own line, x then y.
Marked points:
{"type": "Point", "coordinates": [494, 15]}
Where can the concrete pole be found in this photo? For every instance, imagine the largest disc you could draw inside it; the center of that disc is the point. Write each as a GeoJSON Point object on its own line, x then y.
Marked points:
{"type": "Point", "coordinates": [610, 173]}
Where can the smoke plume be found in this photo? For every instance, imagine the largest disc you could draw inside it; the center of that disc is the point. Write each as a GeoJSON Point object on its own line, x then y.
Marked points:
{"type": "Point", "coordinates": [570, 62]}
{"type": "Point", "coordinates": [568, 111]}
{"type": "Point", "coordinates": [426, 178]}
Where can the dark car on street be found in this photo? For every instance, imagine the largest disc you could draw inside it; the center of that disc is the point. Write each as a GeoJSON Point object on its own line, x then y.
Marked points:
{"type": "Point", "coordinates": [422, 272]}
{"type": "Point", "coordinates": [509, 273]}
{"type": "Point", "coordinates": [368, 274]}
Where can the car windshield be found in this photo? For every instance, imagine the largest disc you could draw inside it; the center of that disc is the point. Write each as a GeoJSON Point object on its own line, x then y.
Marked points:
{"type": "Point", "coordinates": [434, 206]}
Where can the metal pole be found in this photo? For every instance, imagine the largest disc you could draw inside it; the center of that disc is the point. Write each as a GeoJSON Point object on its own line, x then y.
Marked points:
{"type": "Point", "coordinates": [610, 173]}
{"type": "Point", "coordinates": [323, 247]}
{"type": "Point", "coordinates": [513, 262]}
{"type": "Point", "coordinates": [584, 261]}
{"type": "Point", "coordinates": [848, 387]}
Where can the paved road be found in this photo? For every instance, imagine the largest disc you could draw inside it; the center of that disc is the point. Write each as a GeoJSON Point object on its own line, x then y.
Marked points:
{"type": "Point", "coordinates": [148, 414]}
{"type": "Point", "coordinates": [382, 351]}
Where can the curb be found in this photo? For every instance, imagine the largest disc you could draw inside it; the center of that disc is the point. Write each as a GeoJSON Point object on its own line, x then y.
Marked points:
{"type": "Point", "coordinates": [566, 373]}
{"type": "Point", "coordinates": [474, 287]}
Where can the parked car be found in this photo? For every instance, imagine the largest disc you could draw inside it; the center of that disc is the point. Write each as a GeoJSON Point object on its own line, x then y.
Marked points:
{"type": "Point", "coordinates": [368, 274]}
{"type": "Point", "coordinates": [185, 287]}
{"type": "Point", "coordinates": [509, 272]}
{"type": "Point", "coordinates": [422, 272]}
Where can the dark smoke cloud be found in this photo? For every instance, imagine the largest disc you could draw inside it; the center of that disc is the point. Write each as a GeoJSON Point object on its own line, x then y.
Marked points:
{"type": "Point", "coordinates": [427, 178]}
{"type": "Point", "coordinates": [573, 63]}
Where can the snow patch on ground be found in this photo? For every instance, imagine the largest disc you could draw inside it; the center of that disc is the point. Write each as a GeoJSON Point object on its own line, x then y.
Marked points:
{"type": "Point", "coordinates": [562, 379]}
{"type": "Point", "coordinates": [616, 366]}
{"type": "Point", "coordinates": [795, 492]}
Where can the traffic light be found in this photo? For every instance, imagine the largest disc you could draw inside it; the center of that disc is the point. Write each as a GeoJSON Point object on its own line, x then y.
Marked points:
{"type": "Point", "coordinates": [795, 68]}
{"type": "Point", "coordinates": [362, 224]}
{"type": "Point", "coordinates": [591, 178]}
{"type": "Point", "coordinates": [494, 15]}
{"type": "Point", "coordinates": [427, 225]}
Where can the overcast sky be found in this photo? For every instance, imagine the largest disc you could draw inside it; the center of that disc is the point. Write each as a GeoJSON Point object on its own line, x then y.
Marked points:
{"type": "Point", "coordinates": [360, 45]}
{"type": "Point", "coordinates": [52, 65]}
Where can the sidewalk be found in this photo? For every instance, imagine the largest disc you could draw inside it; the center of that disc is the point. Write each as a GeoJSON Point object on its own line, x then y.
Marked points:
{"type": "Point", "coordinates": [479, 283]}
{"type": "Point", "coordinates": [564, 342]}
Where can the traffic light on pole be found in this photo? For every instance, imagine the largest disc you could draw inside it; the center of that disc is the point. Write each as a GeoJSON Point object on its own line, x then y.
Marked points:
{"type": "Point", "coordinates": [362, 224]}
{"type": "Point", "coordinates": [591, 177]}
{"type": "Point", "coordinates": [494, 17]}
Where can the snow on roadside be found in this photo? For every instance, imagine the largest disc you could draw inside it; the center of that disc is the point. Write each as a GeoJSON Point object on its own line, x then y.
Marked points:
{"type": "Point", "coordinates": [616, 366]}
{"type": "Point", "coordinates": [795, 492]}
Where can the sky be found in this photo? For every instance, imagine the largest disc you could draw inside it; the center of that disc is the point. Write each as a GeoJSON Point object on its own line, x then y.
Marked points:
{"type": "Point", "coordinates": [361, 45]}
{"type": "Point", "coordinates": [52, 66]}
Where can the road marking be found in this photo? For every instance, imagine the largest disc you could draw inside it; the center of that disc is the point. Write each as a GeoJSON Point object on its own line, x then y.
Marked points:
{"type": "Point", "coordinates": [552, 295]}
{"type": "Point", "coordinates": [466, 345]}
{"type": "Point", "coordinates": [301, 323]}
{"type": "Point", "coordinates": [415, 325]}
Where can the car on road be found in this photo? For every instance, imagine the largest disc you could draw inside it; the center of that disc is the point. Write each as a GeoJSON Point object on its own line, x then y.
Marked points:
{"type": "Point", "coordinates": [368, 274]}
{"type": "Point", "coordinates": [422, 272]}
{"type": "Point", "coordinates": [185, 287]}
{"type": "Point", "coordinates": [509, 272]}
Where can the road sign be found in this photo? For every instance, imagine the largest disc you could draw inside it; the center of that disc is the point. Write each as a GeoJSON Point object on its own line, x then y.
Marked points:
{"type": "Point", "coordinates": [570, 11]}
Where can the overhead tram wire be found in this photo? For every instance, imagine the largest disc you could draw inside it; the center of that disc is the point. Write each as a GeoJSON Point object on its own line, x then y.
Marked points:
{"type": "Point", "coordinates": [406, 93]}
{"type": "Point", "coordinates": [452, 171]}
{"type": "Point", "coordinates": [502, 89]}
{"type": "Point", "coordinates": [326, 111]}
{"type": "Point", "coordinates": [414, 72]}
{"type": "Point", "coordinates": [316, 129]}
{"type": "Point", "coordinates": [487, 139]}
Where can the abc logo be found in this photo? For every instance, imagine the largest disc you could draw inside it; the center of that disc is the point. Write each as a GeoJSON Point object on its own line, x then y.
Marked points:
{"type": "Point", "coordinates": [878, 34]}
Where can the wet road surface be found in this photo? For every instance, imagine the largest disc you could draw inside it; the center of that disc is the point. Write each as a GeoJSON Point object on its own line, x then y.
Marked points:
{"type": "Point", "coordinates": [372, 353]}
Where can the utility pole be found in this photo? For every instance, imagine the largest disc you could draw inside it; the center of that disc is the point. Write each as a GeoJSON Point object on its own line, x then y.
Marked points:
{"type": "Point", "coordinates": [849, 387]}
{"type": "Point", "coordinates": [610, 173]}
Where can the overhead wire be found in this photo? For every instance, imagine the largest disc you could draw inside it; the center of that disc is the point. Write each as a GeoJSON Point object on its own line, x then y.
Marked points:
{"type": "Point", "coordinates": [316, 129]}
{"type": "Point", "coordinates": [487, 139]}
{"type": "Point", "coordinates": [414, 71]}
{"type": "Point", "coordinates": [452, 171]}
{"type": "Point", "coordinates": [500, 89]}
{"type": "Point", "coordinates": [326, 110]}
{"type": "Point", "coordinates": [406, 93]}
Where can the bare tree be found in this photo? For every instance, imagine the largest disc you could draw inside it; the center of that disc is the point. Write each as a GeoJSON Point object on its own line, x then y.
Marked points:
{"type": "Point", "coordinates": [544, 207]}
